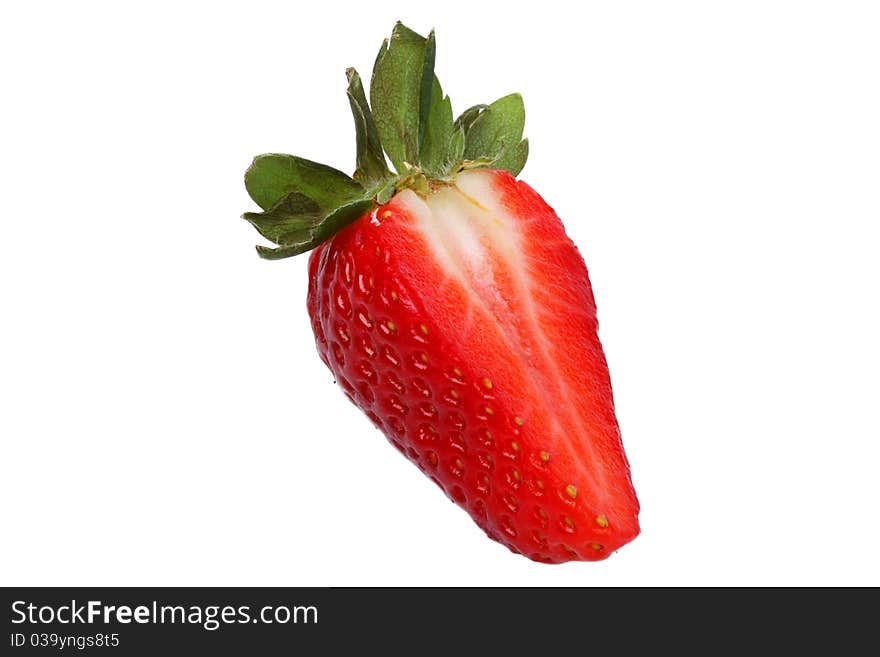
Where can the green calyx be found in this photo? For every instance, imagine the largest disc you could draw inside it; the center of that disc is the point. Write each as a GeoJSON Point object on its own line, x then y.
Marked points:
{"type": "Point", "coordinates": [407, 119]}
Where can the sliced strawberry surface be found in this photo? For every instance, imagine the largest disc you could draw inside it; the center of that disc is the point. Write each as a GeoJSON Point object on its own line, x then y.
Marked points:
{"type": "Point", "coordinates": [464, 325]}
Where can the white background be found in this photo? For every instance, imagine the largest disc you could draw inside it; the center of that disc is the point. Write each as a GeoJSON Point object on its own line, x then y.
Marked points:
{"type": "Point", "coordinates": [166, 420]}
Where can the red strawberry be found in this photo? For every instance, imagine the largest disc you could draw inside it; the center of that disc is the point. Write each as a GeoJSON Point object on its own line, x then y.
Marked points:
{"type": "Point", "coordinates": [453, 309]}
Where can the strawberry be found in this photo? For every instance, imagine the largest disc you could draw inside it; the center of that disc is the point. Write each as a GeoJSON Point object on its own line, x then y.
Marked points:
{"type": "Point", "coordinates": [455, 312]}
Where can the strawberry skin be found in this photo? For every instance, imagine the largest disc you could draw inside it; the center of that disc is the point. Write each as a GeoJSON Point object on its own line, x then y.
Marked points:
{"type": "Point", "coordinates": [463, 323]}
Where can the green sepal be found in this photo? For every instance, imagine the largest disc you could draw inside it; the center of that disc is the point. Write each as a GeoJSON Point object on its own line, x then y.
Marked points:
{"type": "Point", "coordinates": [438, 131]}
{"type": "Point", "coordinates": [297, 224]}
{"type": "Point", "coordinates": [371, 166]}
{"type": "Point", "coordinates": [273, 176]}
{"type": "Point", "coordinates": [426, 88]}
{"type": "Point", "coordinates": [341, 217]}
{"type": "Point", "coordinates": [456, 149]}
{"type": "Point", "coordinates": [513, 159]}
{"type": "Point", "coordinates": [400, 94]}
{"type": "Point", "coordinates": [281, 252]}
{"type": "Point", "coordinates": [385, 192]}
{"type": "Point", "coordinates": [288, 220]}
{"type": "Point", "coordinates": [466, 118]}
{"type": "Point", "coordinates": [496, 129]}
